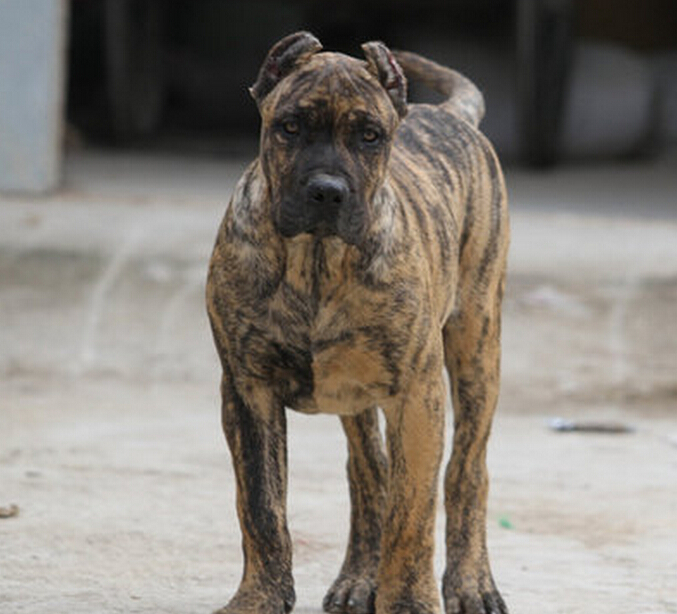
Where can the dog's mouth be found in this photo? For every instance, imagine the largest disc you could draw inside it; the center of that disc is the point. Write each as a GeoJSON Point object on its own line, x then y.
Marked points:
{"type": "Point", "coordinates": [290, 222]}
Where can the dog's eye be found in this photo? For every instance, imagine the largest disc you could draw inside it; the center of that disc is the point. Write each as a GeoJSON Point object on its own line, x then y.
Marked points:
{"type": "Point", "coordinates": [370, 135]}
{"type": "Point", "coordinates": [291, 127]}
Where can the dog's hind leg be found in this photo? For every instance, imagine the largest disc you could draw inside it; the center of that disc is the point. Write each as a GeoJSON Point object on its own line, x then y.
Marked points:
{"type": "Point", "coordinates": [472, 355]}
{"type": "Point", "coordinates": [355, 587]}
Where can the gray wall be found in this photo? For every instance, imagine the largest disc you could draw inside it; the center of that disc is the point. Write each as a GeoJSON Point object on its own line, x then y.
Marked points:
{"type": "Point", "coordinates": [32, 76]}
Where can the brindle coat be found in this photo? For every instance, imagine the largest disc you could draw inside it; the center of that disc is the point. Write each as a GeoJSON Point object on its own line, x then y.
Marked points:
{"type": "Point", "coordinates": [363, 251]}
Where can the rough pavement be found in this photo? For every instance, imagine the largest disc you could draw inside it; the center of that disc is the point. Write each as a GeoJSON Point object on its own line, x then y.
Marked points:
{"type": "Point", "coordinates": [110, 442]}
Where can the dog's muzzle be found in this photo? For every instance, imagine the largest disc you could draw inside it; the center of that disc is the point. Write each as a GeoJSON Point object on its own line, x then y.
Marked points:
{"type": "Point", "coordinates": [323, 205]}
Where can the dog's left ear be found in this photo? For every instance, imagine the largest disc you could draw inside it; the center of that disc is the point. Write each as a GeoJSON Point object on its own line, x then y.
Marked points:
{"type": "Point", "coordinates": [282, 59]}
{"type": "Point", "coordinates": [382, 63]}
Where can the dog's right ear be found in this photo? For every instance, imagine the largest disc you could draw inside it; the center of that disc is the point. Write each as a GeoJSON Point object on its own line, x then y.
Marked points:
{"type": "Point", "coordinates": [283, 57]}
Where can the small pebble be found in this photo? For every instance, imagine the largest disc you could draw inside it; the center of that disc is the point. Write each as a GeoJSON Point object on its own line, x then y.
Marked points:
{"type": "Point", "coordinates": [9, 512]}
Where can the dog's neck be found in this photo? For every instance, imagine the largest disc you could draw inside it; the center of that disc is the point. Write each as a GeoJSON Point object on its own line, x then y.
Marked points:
{"type": "Point", "coordinates": [317, 267]}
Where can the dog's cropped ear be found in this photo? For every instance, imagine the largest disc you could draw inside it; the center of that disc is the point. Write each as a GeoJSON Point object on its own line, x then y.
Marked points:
{"type": "Point", "coordinates": [382, 63]}
{"type": "Point", "coordinates": [283, 57]}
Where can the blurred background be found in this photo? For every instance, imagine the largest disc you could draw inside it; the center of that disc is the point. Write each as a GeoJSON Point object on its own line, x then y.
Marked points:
{"type": "Point", "coordinates": [564, 79]}
{"type": "Point", "coordinates": [124, 125]}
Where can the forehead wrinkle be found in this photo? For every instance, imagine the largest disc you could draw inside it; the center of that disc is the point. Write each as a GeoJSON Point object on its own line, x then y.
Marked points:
{"type": "Point", "coordinates": [288, 96]}
{"type": "Point", "coordinates": [345, 82]}
{"type": "Point", "coordinates": [350, 93]}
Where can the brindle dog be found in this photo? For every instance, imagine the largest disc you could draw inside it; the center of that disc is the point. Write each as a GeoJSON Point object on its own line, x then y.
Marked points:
{"type": "Point", "coordinates": [363, 251]}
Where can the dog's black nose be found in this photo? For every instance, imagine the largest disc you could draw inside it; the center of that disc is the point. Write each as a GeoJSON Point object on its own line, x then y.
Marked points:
{"type": "Point", "coordinates": [330, 190]}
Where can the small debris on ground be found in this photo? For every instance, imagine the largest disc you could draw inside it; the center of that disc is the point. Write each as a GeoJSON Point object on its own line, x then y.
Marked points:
{"type": "Point", "coordinates": [504, 523]}
{"type": "Point", "coordinates": [563, 425]}
{"type": "Point", "coordinates": [9, 511]}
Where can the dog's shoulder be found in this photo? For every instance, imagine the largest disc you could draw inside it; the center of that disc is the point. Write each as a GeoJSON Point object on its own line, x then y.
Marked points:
{"type": "Point", "coordinates": [245, 208]}
{"type": "Point", "coordinates": [247, 256]}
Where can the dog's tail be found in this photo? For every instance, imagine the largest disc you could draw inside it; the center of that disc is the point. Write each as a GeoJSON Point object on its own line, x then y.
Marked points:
{"type": "Point", "coordinates": [463, 97]}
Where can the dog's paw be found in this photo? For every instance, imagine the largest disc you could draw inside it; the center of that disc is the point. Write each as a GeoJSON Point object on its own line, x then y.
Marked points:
{"type": "Point", "coordinates": [476, 603]}
{"type": "Point", "coordinates": [471, 591]}
{"type": "Point", "coordinates": [350, 595]}
{"type": "Point", "coordinates": [259, 601]}
{"type": "Point", "coordinates": [410, 605]}
{"type": "Point", "coordinates": [473, 600]}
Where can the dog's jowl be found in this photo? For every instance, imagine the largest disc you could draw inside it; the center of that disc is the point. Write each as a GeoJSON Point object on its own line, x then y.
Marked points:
{"type": "Point", "coordinates": [363, 252]}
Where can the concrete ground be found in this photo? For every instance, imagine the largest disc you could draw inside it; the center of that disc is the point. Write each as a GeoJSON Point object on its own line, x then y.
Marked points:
{"type": "Point", "coordinates": [110, 440]}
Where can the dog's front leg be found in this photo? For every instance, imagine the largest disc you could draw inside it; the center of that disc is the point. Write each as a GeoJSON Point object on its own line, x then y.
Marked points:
{"type": "Point", "coordinates": [256, 434]}
{"type": "Point", "coordinates": [415, 435]}
{"type": "Point", "coordinates": [353, 592]}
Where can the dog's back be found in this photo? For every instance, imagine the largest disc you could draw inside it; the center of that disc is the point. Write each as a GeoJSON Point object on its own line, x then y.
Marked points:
{"type": "Point", "coordinates": [447, 172]}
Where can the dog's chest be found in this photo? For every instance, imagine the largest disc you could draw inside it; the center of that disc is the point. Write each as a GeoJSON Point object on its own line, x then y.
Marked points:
{"type": "Point", "coordinates": [342, 362]}
{"type": "Point", "coordinates": [330, 344]}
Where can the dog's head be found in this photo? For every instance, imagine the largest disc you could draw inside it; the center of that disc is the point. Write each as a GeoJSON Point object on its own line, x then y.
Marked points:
{"type": "Point", "coordinates": [328, 122]}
